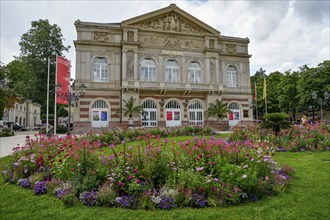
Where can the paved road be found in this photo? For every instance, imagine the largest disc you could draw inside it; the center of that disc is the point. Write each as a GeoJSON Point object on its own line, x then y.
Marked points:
{"type": "Point", "coordinates": [7, 143]}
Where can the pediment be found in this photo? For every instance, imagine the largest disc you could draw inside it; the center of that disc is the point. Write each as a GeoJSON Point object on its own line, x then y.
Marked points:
{"type": "Point", "coordinates": [170, 19]}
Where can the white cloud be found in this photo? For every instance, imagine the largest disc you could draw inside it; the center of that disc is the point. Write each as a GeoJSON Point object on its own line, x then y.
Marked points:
{"type": "Point", "coordinates": [283, 34]}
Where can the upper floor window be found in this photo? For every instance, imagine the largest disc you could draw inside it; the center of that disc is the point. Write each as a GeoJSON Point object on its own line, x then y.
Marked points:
{"type": "Point", "coordinates": [172, 71]}
{"type": "Point", "coordinates": [100, 70]}
{"type": "Point", "coordinates": [232, 76]}
{"type": "Point", "coordinates": [148, 70]}
{"type": "Point", "coordinates": [194, 72]}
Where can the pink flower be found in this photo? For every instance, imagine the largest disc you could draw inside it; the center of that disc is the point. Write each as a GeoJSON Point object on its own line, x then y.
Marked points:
{"type": "Point", "coordinates": [130, 177]}
{"type": "Point", "coordinates": [199, 168]}
{"type": "Point", "coordinates": [134, 170]}
{"type": "Point", "coordinates": [120, 184]}
{"type": "Point", "coordinates": [138, 181]}
{"type": "Point", "coordinates": [267, 178]}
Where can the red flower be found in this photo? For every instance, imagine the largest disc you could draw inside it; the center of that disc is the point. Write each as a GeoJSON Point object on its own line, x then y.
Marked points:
{"type": "Point", "coordinates": [72, 169]}
{"type": "Point", "coordinates": [201, 189]}
{"type": "Point", "coordinates": [60, 160]}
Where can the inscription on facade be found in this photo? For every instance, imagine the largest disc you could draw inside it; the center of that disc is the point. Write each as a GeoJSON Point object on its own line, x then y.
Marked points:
{"type": "Point", "coordinates": [172, 52]}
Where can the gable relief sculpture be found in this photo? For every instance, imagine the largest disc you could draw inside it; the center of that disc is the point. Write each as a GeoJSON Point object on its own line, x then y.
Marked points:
{"type": "Point", "coordinates": [171, 22]}
{"type": "Point", "coordinates": [172, 41]}
{"type": "Point", "coordinates": [101, 36]}
{"type": "Point", "coordinates": [231, 48]}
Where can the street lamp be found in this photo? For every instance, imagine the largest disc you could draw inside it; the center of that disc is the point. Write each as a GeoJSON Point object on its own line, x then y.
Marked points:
{"type": "Point", "coordinates": [72, 97]}
{"type": "Point", "coordinates": [326, 96]}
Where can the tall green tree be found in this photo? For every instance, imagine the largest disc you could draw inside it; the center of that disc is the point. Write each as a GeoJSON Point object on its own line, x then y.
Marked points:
{"type": "Point", "coordinates": [27, 74]}
{"type": "Point", "coordinates": [217, 110]}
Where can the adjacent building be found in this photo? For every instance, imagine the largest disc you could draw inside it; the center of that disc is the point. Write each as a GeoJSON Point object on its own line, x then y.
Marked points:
{"type": "Point", "coordinates": [168, 61]}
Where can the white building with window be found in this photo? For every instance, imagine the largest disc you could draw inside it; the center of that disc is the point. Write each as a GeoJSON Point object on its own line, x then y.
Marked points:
{"type": "Point", "coordinates": [171, 63]}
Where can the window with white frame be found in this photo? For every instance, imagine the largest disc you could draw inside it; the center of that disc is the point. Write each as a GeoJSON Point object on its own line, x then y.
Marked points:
{"type": "Point", "coordinates": [194, 72]}
{"type": "Point", "coordinates": [148, 70]}
{"type": "Point", "coordinates": [232, 76]}
{"type": "Point", "coordinates": [172, 71]}
{"type": "Point", "coordinates": [196, 113]}
{"type": "Point", "coordinates": [100, 70]}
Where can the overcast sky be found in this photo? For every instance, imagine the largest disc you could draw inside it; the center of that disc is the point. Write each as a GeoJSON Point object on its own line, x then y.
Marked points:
{"type": "Point", "coordinates": [283, 34]}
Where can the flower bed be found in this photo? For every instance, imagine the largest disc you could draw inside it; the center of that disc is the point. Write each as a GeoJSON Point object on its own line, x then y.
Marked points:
{"type": "Point", "coordinates": [296, 138]}
{"type": "Point", "coordinates": [156, 174]}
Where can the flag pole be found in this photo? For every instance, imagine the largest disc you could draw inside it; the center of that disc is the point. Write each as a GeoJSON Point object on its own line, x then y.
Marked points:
{"type": "Point", "coordinates": [47, 110]}
{"type": "Point", "coordinates": [55, 104]}
{"type": "Point", "coordinates": [256, 98]}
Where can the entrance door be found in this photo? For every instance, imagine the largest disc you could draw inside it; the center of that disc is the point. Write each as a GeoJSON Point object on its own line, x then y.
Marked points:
{"type": "Point", "coordinates": [100, 114]}
{"type": "Point", "coordinates": [173, 114]}
{"type": "Point", "coordinates": [234, 115]}
{"type": "Point", "coordinates": [149, 114]}
{"type": "Point", "coordinates": [196, 114]}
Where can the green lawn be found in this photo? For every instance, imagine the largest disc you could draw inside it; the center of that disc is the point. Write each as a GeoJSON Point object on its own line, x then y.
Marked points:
{"type": "Point", "coordinates": [307, 198]}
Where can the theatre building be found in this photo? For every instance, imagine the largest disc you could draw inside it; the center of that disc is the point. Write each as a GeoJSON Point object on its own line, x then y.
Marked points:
{"type": "Point", "coordinates": [168, 61]}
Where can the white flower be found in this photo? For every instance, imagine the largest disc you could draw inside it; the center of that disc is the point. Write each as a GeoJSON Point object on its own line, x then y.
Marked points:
{"type": "Point", "coordinates": [246, 166]}
{"type": "Point", "coordinates": [244, 176]}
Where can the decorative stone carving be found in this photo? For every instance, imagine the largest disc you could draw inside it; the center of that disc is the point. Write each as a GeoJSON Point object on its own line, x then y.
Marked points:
{"type": "Point", "coordinates": [101, 36]}
{"type": "Point", "coordinates": [130, 36]}
{"type": "Point", "coordinates": [212, 69]}
{"type": "Point", "coordinates": [171, 22]}
{"type": "Point", "coordinates": [130, 65]}
{"type": "Point", "coordinates": [151, 41]}
{"type": "Point", "coordinates": [211, 43]}
{"type": "Point", "coordinates": [172, 41]}
{"type": "Point", "coordinates": [231, 48]}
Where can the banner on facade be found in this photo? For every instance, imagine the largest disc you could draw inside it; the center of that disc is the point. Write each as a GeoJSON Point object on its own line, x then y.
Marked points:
{"type": "Point", "coordinates": [63, 78]}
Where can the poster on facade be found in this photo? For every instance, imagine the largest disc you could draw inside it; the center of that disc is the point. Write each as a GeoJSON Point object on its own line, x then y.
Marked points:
{"type": "Point", "coordinates": [169, 116]}
{"type": "Point", "coordinates": [104, 116]}
{"type": "Point", "coordinates": [231, 116]}
{"type": "Point", "coordinates": [236, 115]}
{"type": "Point", "coordinates": [96, 116]}
{"type": "Point", "coordinates": [176, 116]}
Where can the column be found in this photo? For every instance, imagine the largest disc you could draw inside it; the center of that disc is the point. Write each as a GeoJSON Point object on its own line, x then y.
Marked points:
{"type": "Point", "coordinates": [136, 77]}
{"type": "Point", "coordinates": [123, 64]}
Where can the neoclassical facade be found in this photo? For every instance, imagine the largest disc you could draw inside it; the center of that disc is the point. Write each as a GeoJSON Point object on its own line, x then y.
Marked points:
{"type": "Point", "coordinates": [166, 60]}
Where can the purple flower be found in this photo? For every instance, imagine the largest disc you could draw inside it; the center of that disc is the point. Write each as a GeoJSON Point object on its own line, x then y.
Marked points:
{"type": "Point", "coordinates": [25, 183]}
{"type": "Point", "coordinates": [198, 200]}
{"type": "Point", "coordinates": [166, 203]}
{"type": "Point", "coordinates": [89, 198]}
{"type": "Point", "coordinates": [40, 188]}
{"type": "Point", "coordinates": [127, 201]}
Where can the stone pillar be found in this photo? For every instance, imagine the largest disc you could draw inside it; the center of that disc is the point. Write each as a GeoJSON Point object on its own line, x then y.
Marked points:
{"type": "Point", "coordinates": [207, 70]}
{"type": "Point", "coordinates": [136, 76]}
{"type": "Point", "coordinates": [124, 66]}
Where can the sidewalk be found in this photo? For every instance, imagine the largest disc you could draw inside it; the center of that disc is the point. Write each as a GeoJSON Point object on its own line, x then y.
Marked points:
{"type": "Point", "coordinates": [7, 143]}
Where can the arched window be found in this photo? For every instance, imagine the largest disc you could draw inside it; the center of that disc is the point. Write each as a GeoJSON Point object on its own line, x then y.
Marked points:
{"type": "Point", "coordinates": [148, 70]}
{"type": "Point", "coordinates": [196, 113]}
{"type": "Point", "coordinates": [232, 76]}
{"type": "Point", "coordinates": [100, 70]}
{"type": "Point", "coordinates": [149, 114]}
{"type": "Point", "coordinates": [172, 71]}
{"type": "Point", "coordinates": [233, 105]}
{"type": "Point", "coordinates": [194, 72]}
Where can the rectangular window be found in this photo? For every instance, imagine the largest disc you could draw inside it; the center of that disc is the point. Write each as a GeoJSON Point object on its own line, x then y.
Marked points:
{"type": "Point", "coordinates": [245, 113]}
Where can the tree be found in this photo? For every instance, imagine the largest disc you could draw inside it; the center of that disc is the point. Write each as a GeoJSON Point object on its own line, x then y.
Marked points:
{"type": "Point", "coordinates": [27, 74]}
{"type": "Point", "coordinates": [129, 109]}
{"type": "Point", "coordinates": [217, 110]}
{"type": "Point", "coordinates": [275, 121]}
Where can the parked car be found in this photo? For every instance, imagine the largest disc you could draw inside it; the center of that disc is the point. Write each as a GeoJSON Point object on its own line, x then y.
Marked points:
{"type": "Point", "coordinates": [15, 126]}
{"type": "Point", "coordinates": [39, 126]}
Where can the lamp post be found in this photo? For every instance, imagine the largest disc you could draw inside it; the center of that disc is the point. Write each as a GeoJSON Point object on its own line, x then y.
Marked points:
{"type": "Point", "coordinates": [72, 97]}
{"type": "Point", "coordinates": [314, 96]}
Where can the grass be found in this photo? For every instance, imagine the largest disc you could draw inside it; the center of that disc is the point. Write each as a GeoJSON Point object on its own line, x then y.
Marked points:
{"type": "Point", "coordinates": [307, 198]}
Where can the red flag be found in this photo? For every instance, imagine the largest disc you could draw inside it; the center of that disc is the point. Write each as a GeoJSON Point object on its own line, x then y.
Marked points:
{"type": "Point", "coordinates": [63, 78]}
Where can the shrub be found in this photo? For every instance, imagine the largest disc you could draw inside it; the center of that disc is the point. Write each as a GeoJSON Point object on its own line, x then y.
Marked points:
{"type": "Point", "coordinates": [6, 132]}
